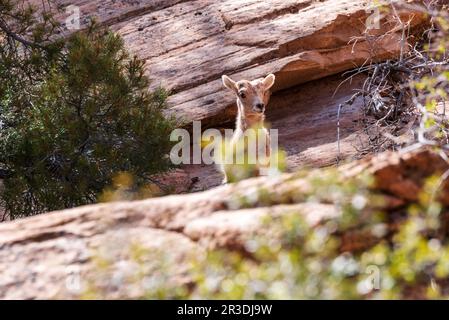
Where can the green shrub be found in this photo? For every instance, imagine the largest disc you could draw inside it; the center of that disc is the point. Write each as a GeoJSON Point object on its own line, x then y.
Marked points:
{"type": "Point", "coordinates": [73, 113]}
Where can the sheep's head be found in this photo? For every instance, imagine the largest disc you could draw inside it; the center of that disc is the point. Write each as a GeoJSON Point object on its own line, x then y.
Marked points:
{"type": "Point", "coordinates": [253, 95]}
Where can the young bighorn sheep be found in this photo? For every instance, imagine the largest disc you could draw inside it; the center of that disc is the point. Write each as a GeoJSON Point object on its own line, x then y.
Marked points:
{"type": "Point", "coordinates": [252, 98]}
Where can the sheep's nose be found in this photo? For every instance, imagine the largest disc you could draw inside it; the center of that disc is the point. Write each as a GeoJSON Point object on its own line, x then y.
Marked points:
{"type": "Point", "coordinates": [259, 107]}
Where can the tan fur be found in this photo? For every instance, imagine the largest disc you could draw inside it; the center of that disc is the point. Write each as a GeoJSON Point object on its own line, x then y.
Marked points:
{"type": "Point", "coordinates": [252, 99]}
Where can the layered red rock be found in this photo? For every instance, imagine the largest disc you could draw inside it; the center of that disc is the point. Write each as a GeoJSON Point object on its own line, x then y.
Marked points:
{"type": "Point", "coordinates": [188, 45]}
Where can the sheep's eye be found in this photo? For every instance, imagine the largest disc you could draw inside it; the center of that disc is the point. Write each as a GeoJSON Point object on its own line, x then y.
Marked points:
{"type": "Point", "coordinates": [242, 94]}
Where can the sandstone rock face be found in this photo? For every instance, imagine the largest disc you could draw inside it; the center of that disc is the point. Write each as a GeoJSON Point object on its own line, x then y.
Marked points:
{"type": "Point", "coordinates": [58, 255]}
{"type": "Point", "coordinates": [299, 41]}
{"type": "Point", "coordinates": [188, 45]}
{"type": "Point", "coordinates": [307, 128]}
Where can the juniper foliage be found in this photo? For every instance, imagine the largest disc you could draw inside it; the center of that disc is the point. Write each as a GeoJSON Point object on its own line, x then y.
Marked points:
{"type": "Point", "coordinates": [74, 111]}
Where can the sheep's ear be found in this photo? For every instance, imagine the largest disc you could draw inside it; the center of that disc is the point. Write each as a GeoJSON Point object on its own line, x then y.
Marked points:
{"type": "Point", "coordinates": [269, 81]}
{"type": "Point", "coordinates": [229, 83]}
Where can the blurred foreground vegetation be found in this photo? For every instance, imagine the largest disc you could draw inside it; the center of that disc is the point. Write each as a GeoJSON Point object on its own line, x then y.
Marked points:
{"type": "Point", "coordinates": [366, 252]}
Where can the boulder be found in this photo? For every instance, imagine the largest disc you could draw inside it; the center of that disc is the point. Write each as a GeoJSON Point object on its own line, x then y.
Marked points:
{"type": "Point", "coordinates": [66, 254]}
